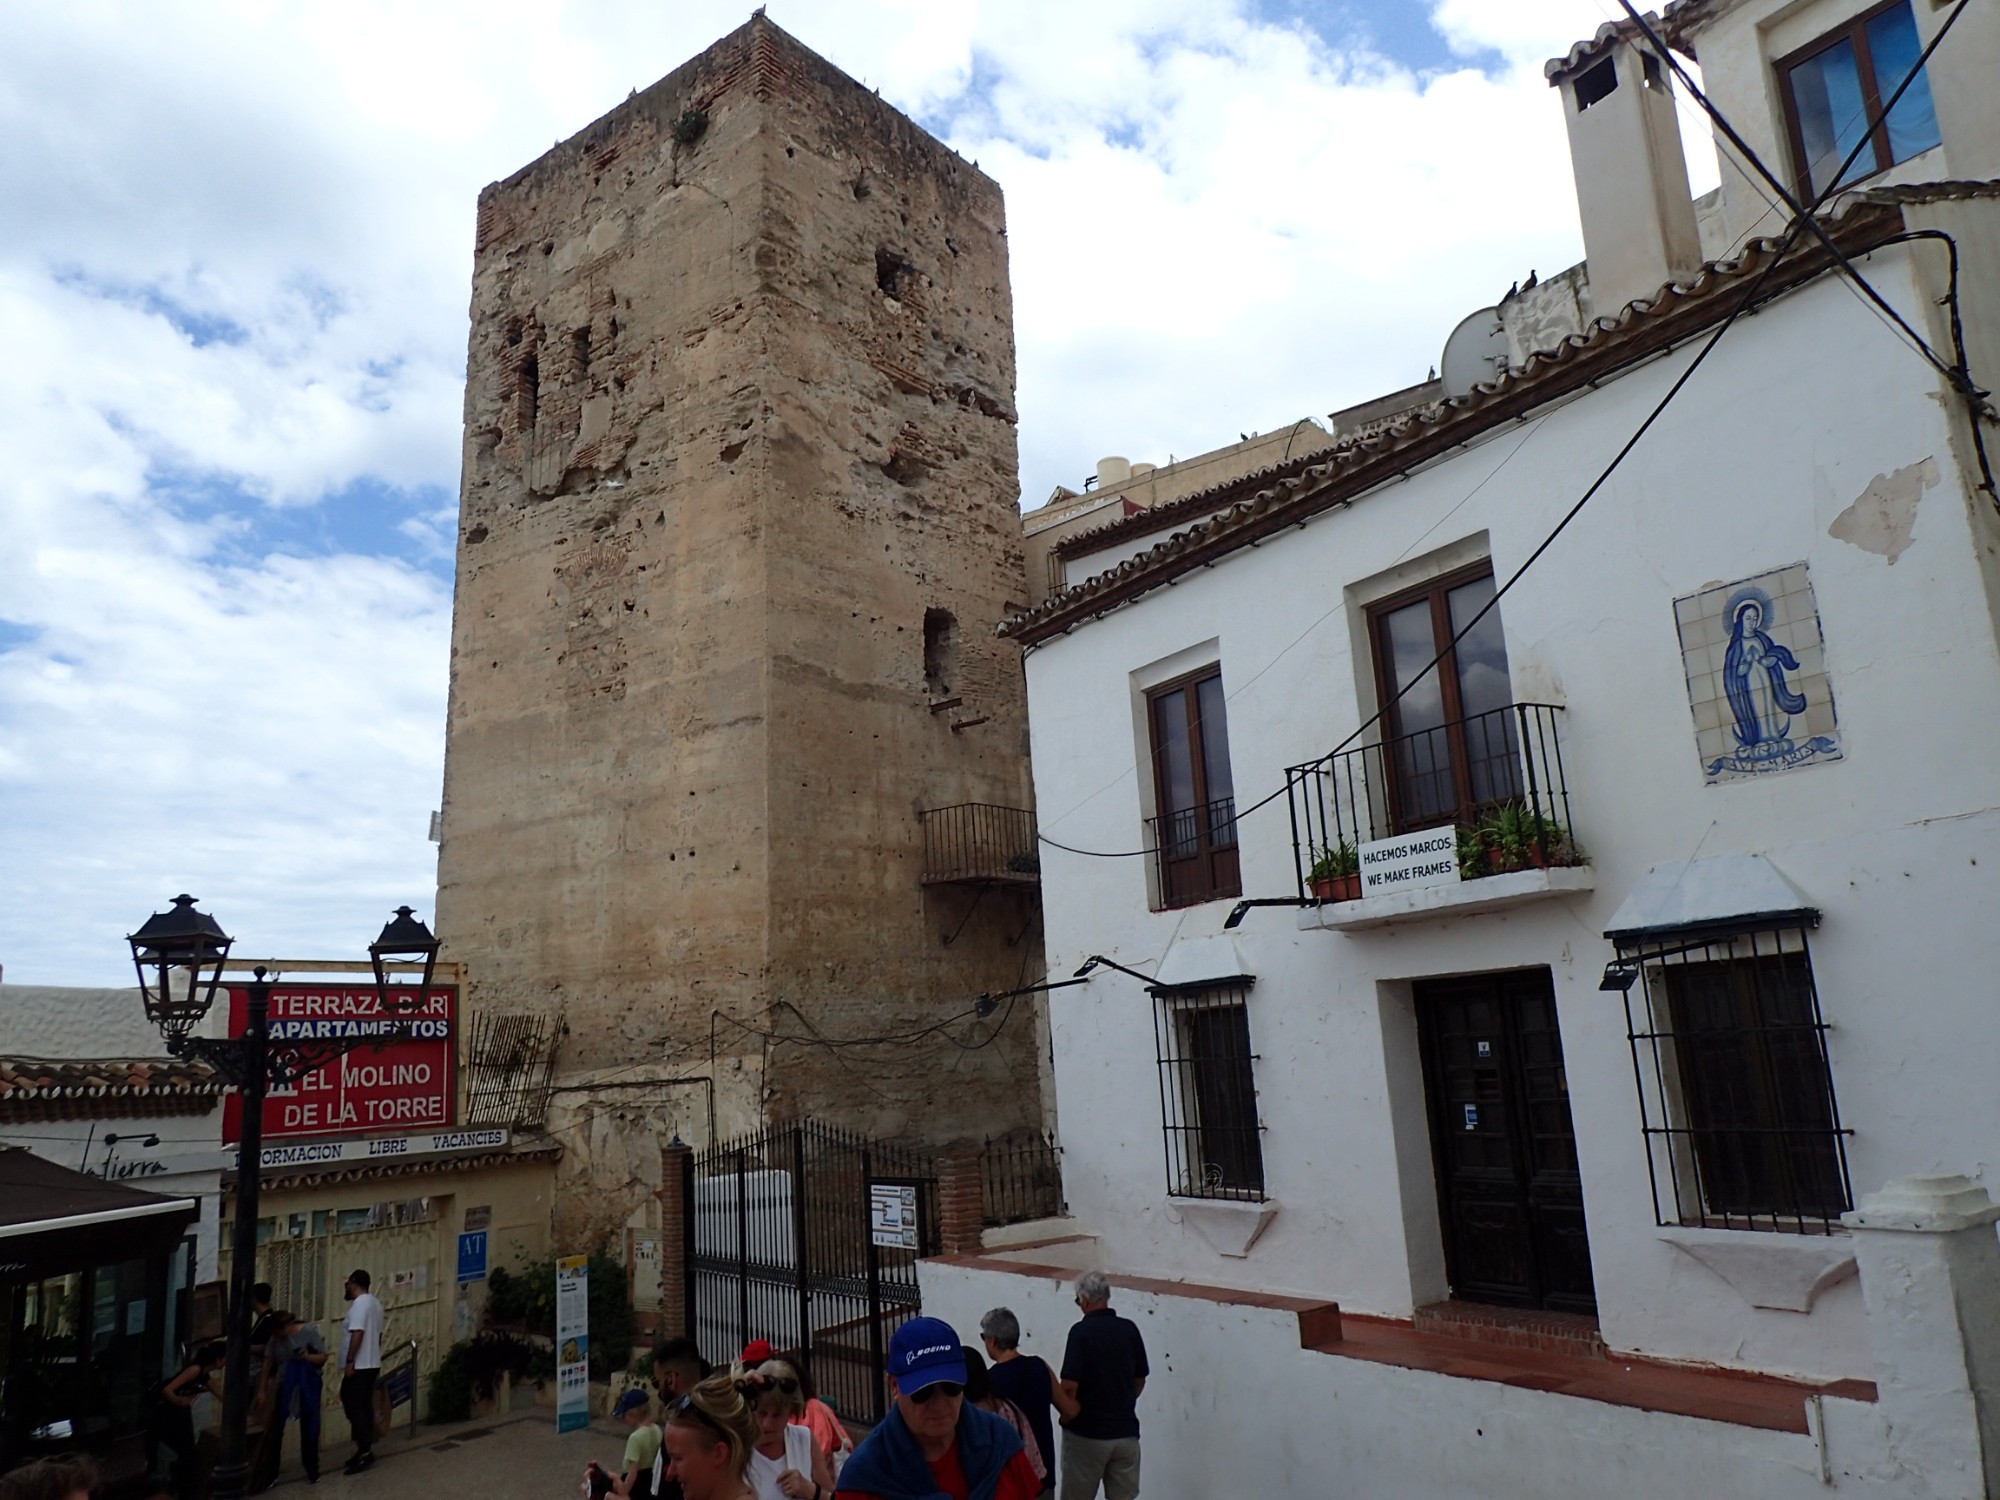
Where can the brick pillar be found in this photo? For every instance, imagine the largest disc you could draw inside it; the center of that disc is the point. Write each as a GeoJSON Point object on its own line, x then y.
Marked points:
{"type": "Point", "coordinates": [676, 1233]}
{"type": "Point", "coordinates": [961, 1201]}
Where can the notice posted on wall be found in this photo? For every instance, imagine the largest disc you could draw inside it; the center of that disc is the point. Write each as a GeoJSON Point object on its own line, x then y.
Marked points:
{"type": "Point", "coordinates": [892, 1214]}
{"type": "Point", "coordinates": [572, 1342]}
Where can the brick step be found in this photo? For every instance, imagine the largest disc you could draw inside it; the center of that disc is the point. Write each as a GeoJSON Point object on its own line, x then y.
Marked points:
{"type": "Point", "coordinates": [1573, 1334]}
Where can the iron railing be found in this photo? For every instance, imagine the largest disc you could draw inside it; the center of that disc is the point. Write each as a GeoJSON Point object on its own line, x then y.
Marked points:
{"type": "Point", "coordinates": [1194, 853]}
{"type": "Point", "coordinates": [1497, 777]}
{"type": "Point", "coordinates": [1208, 1093]}
{"type": "Point", "coordinates": [980, 843]}
{"type": "Point", "coordinates": [1021, 1180]}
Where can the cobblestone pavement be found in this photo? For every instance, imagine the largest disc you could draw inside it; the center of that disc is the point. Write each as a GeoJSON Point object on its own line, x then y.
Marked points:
{"type": "Point", "coordinates": [515, 1455]}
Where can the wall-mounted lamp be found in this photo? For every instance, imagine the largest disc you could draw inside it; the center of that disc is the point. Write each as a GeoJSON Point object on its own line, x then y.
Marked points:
{"type": "Point", "coordinates": [1620, 975]}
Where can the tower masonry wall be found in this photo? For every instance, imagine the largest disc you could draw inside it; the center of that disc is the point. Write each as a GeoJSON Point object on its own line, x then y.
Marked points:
{"type": "Point", "coordinates": [738, 517]}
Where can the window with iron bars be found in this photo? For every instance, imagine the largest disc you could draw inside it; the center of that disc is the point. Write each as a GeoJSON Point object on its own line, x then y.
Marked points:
{"type": "Point", "coordinates": [1736, 1097]}
{"type": "Point", "coordinates": [1208, 1096]}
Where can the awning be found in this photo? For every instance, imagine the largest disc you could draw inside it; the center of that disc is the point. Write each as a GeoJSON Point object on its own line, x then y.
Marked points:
{"type": "Point", "coordinates": [54, 1220]}
{"type": "Point", "coordinates": [1725, 892]}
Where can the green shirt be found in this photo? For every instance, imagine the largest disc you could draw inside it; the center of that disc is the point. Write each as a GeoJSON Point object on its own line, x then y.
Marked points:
{"type": "Point", "coordinates": [642, 1447]}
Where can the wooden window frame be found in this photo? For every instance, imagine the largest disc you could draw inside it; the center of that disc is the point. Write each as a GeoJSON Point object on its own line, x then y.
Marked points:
{"type": "Point", "coordinates": [1214, 884]}
{"type": "Point", "coordinates": [1853, 30]}
{"type": "Point", "coordinates": [1438, 591]}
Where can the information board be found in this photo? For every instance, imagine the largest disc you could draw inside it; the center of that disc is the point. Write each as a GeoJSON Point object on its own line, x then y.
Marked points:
{"type": "Point", "coordinates": [472, 1257]}
{"type": "Point", "coordinates": [572, 1343]}
{"type": "Point", "coordinates": [402, 1087]}
{"type": "Point", "coordinates": [892, 1214]}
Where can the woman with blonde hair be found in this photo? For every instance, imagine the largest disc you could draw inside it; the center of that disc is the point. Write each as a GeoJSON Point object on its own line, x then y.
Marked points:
{"type": "Point", "coordinates": [786, 1461]}
{"type": "Point", "coordinates": [707, 1436]}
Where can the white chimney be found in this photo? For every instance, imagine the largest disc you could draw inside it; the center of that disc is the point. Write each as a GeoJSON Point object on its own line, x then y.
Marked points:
{"type": "Point", "coordinates": [1632, 192]}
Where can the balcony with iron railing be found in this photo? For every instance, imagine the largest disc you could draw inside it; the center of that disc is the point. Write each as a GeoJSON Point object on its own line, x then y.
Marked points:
{"type": "Point", "coordinates": [1495, 780]}
{"type": "Point", "coordinates": [1194, 854]}
{"type": "Point", "coordinates": [980, 843]}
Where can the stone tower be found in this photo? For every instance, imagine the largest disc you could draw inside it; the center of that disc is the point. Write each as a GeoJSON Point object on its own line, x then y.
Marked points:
{"type": "Point", "coordinates": [737, 520]}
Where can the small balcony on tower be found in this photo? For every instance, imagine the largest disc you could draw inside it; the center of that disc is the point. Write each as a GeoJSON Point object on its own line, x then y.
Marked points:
{"type": "Point", "coordinates": [980, 843]}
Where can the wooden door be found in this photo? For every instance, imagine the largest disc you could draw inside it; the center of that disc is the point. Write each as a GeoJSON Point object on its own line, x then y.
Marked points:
{"type": "Point", "coordinates": [1509, 1192]}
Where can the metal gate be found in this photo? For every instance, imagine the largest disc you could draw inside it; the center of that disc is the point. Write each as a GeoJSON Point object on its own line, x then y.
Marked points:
{"type": "Point", "coordinates": [780, 1247]}
{"type": "Point", "coordinates": [308, 1276]}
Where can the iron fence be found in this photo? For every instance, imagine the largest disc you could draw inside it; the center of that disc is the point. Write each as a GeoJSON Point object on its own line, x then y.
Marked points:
{"type": "Point", "coordinates": [1497, 777]}
{"type": "Point", "coordinates": [1021, 1180]}
{"type": "Point", "coordinates": [781, 1248]}
{"type": "Point", "coordinates": [980, 842]}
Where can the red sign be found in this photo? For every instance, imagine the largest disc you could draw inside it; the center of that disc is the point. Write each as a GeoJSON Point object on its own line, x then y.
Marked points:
{"type": "Point", "coordinates": [403, 1086]}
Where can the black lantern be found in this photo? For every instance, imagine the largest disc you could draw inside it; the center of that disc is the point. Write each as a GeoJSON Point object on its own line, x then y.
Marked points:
{"type": "Point", "coordinates": [407, 939]}
{"type": "Point", "coordinates": [179, 956]}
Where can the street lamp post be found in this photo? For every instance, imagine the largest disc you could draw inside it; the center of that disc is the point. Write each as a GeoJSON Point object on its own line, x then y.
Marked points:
{"type": "Point", "coordinates": [179, 955]}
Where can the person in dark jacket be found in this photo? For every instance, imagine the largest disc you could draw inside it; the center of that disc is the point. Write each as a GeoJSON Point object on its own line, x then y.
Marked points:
{"type": "Point", "coordinates": [934, 1441]}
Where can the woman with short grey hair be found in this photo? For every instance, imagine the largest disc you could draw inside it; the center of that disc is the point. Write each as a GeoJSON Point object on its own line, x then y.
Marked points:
{"type": "Point", "coordinates": [1027, 1381]}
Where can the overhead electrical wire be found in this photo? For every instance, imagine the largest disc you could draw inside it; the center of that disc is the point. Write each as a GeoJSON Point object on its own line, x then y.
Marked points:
{"type": "Point", "coordinates": [1785, 246]}
{"type": "Point", "coordinates": [1956, 375]}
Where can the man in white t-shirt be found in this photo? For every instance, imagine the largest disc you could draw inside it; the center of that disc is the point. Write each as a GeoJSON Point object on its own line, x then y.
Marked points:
{"type": "Point", "coordinates": [360, 1364]}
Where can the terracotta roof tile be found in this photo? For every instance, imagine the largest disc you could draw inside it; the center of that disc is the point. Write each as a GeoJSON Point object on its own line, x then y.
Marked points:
{"type": "Point", "coordinates": [1591, 48]}
{"type": "Point", "coordinates": [1341, 474]}
{"type": "Point", "coordinates": [42, 1087]}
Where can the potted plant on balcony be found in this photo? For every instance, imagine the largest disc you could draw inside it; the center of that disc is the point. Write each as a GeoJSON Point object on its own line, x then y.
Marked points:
{"type": "Point", "coordinates": [1515, 836]}
{"type": "Point", "coordinates": [1336, 874]}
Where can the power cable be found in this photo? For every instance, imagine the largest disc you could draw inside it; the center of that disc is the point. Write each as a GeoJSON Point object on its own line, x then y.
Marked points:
{"type": "Point", "coordinates": [1749, 298]}
{"type": "Point", "coordinates": [1249, 682]}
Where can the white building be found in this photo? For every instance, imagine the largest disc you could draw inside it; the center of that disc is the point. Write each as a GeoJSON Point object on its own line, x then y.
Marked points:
{"type": "Point", "coordinates": [1382, 1176]}
{"type": "Point", "coordinates": [85, 1083]}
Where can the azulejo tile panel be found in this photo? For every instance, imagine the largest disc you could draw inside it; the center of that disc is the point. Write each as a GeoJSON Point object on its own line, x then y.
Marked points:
{"type": "Point", "coordinates": [1756, 676]}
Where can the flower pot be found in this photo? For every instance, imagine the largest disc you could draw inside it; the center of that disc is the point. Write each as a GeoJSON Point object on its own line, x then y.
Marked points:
{"type": "Point", "coordinates": [1337, 888]}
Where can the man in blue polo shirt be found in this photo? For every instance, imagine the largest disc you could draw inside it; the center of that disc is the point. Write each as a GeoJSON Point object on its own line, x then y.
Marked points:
{"type": "Point", "coordinates": [1104, 1370]}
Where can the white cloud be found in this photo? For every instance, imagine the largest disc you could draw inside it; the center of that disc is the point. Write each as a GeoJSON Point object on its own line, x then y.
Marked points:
{"type": "Point", "coordinates": [235, 283]}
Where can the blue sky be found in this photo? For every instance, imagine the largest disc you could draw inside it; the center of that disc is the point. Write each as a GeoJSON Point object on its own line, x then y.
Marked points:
{"type": "Point", "coordinates": [241, 258]}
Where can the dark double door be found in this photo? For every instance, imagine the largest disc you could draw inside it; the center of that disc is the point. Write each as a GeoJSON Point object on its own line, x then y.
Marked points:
{"type": "Point", "coordinates": [1508, 1187]}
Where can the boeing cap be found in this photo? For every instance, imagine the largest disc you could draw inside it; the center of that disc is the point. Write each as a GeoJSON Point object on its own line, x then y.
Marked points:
{"type": "Point", "coordinates": [923, 1352]}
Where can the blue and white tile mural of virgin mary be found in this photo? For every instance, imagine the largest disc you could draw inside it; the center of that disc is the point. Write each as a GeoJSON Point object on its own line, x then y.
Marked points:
{"type": "Point", "coordinates": [1756, 675]}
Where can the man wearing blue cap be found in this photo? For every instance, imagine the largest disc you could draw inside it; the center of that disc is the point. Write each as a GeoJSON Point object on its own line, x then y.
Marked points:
{"type": "Point", "coordinates": [934, 1443]}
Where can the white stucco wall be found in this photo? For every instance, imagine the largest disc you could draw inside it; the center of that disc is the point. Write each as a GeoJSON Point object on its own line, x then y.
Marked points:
{"type": "Point", "coordinates": [1235, 1407]}
{"type": "Point", "coordinates": [1799, 409]}
{"type": "Point", "coordinates": [51, 1022]}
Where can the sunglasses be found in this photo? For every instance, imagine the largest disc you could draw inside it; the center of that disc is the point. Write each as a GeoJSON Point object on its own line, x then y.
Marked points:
{"type": "Point", "coordinates": [684, 1406]}
{"type": "Point", "coordinates": [945, 1388]}
{"type": "Point", "coordinates": [768, 1383]}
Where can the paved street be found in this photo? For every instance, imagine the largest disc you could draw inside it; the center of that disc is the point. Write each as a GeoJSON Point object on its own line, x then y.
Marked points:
{"type": "Point", "coordinates": [516, 1454]}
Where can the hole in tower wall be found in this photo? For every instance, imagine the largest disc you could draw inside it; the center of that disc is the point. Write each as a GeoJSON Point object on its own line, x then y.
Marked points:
{"type": "Point", "coordinates": [892, 273]}
{"type": "Point", "coordinates": [530, 389]}
{"type": "Point", "coordinates": [940, 651]}
{"type": "Point", "coordinates": [579, 348]}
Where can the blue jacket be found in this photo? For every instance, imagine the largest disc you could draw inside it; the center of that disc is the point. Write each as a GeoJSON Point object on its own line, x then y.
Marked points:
{"type": "Point", "coordinates": [890, 1464]}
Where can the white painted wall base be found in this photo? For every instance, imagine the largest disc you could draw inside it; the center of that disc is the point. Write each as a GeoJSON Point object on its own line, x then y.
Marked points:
{"type": "Point", "coordinates": [1236, 1408]}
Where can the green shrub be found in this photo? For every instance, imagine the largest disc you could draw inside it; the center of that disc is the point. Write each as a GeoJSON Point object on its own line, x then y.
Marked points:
{"type": "Point", "coordinates": [451, 1387]}
{"type": "Point", "coordinates": [525, 1300]}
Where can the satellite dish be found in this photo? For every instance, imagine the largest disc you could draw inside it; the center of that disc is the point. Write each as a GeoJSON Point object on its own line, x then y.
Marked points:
{"type": "Point", "coordinates": [1475, 353]}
